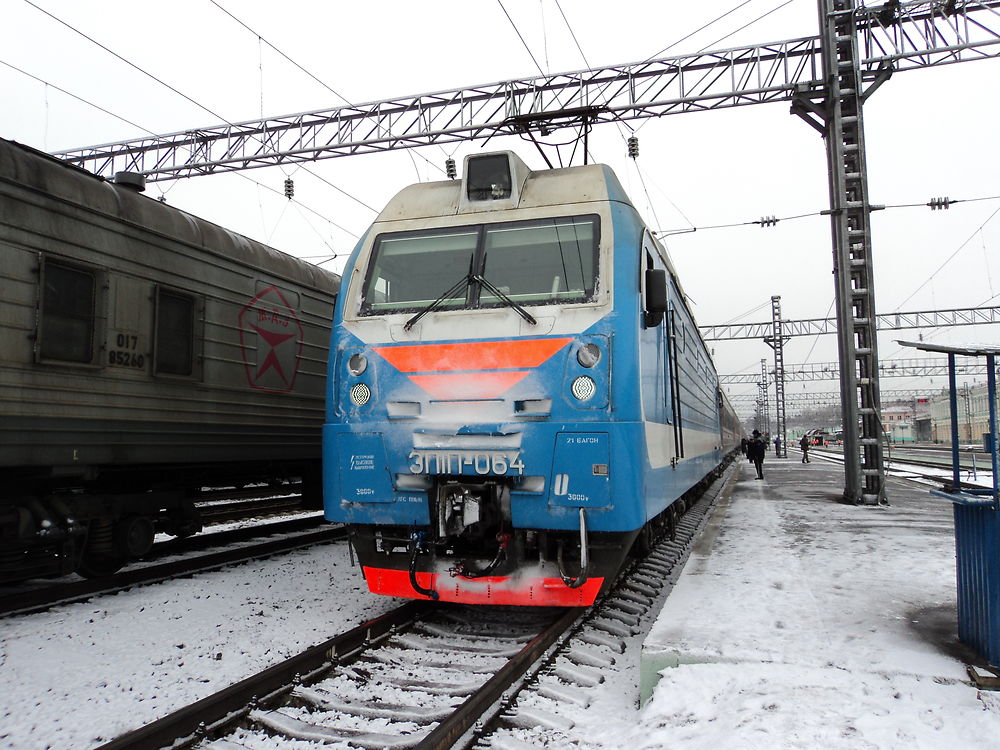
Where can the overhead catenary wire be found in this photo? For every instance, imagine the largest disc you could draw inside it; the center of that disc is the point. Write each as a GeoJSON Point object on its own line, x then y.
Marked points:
{"type": "Point", "coordinates": [952, 256]}
{"type": "Point", "coordinates": [521, 37]}
{"type": "Point", "coordinates": [773, 220]}
{"type": "Point", "coordinates": [150, 132]}
{"type": "Point", "coordinates": [712, 23]}
{"type": "Point", "coordinates": [302, 68]}
{"type": "Point", "coordinates": [698, 30]}
{"type": "Point", "coordinates": [181, 94]}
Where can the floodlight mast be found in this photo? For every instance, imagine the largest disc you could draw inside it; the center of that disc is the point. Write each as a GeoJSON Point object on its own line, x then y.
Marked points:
{"type": "Point", "coordinates": [822, 76]}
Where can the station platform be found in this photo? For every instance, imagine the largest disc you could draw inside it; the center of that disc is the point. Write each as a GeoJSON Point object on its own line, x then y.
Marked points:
{"type": "Point", "coordinates": [802, 621]}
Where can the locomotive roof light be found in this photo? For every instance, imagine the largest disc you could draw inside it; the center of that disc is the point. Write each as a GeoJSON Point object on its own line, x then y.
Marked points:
{"type": "Point", "coordinates": [588, 355]}
{"type": "Point", "coordinates": [583, 388]}
{"type": "Point", "coordinates": [357, 364]}
{"type": "Point", "coordinates": [492, 181]}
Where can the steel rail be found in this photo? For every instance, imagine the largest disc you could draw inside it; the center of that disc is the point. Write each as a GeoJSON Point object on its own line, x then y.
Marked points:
{"type": "Point", "coordinates": [45, 597]}
{"type": "Point", "coordinates": [227, 706]}
{"type": "Point", "coordinates": [449, 731]}
{"type": "Point", "coordinates": [218, 713]}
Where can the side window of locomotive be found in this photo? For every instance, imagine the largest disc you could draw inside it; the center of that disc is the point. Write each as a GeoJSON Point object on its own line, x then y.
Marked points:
{"type": "Point", "coordinates": [68, 313]}
{"type": "Point", "coordinates": [539, 262]}
{"type": "Point", "coordinates": [174, 337]}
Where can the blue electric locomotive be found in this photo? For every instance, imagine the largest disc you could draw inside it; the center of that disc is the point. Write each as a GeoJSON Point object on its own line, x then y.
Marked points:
{"type": "Point", "coordinates": [517, 389]}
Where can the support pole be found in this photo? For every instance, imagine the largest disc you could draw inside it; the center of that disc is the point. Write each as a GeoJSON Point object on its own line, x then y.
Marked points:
{"type": "Point", "coordinates": [864, 473]}
{"type": "Point", "coordinates": [953, 408]}
{"type": "Point", "coordinates": [765, 406]}
{"type": "Point", "coordinates": [991, 396]}
{"type": "Point", "coordinates": [777, 341]}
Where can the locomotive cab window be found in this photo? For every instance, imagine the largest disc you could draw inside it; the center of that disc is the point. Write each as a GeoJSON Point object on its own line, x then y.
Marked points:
{"type": "Point", "coordinates": [409, 268]}
{"type": "Point", "coordinates": [174, 337]}
{"type": "Point", "coordinates": [538, 262]}
{"type": "Point", "coordinates": [68, 313]}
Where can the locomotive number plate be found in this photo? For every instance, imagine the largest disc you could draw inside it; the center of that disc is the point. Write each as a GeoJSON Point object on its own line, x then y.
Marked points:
{"type": "Point", "coordinates": [466, 462]}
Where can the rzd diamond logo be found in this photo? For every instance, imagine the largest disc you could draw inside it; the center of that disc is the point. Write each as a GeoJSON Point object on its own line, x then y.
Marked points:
{"type": "Point", "coordinates": [271, 342]}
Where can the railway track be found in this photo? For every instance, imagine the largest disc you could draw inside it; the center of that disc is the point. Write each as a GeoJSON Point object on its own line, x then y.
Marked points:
{"type": "Point", "coordinates": [908, 468]}
{"type": "Point", "coordinates": [430, 675]}
{"type": "Point", "coordinates": [222, 506]}
{"type": "Point", "coordinates": [285, 536]}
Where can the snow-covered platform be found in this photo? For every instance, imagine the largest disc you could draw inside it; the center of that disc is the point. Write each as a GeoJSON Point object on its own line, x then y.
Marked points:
{"type": "Point", "coordinates": [802, 621]}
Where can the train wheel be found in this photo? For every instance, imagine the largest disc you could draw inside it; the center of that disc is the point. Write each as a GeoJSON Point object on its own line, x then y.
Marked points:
{"type": "Point", "coordinates": [100, 554]}
{"type": "Point", "coordinates": [643, 543]}
{"type": "Point", "coordinates": [134, 536]}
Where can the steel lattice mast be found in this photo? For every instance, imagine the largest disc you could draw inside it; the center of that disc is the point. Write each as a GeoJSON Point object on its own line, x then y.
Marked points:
{"type": "Point", "coordinates": [777, 342]}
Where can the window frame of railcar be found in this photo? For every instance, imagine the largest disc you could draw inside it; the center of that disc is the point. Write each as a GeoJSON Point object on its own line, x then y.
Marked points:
{"type": "Point", "coordinates": [62, 309]}
{"type": "Point", "coordinates": [476, 259]}
{"type": "Point", "coordinates": [167, 335]}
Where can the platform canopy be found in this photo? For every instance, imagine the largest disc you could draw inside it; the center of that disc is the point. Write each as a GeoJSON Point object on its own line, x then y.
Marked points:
{"type": "Point", "coordinates": [970, 350]}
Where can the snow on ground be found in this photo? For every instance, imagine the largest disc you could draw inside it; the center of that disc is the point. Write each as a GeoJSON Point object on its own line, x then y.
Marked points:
{"type": "Point", "coordinates": [81, 674]}
{"type": "Point", "coordinates": [803, 622]}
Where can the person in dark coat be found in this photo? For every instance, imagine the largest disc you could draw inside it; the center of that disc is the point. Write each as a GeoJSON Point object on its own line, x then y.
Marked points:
{"type": "Point", "coordinates": [755, 453]}
{"type": "Point", "coordinates": [804, 445]}
{"type": "Point", "coordinates": [744, 443]}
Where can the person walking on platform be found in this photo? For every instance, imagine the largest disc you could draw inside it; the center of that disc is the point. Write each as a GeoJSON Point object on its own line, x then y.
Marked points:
{"type": "Point", "coordinates": [755, 453]}
{"type": "Point", "coordinates": [743, 445]}
{"type": "Point", "coordinates": [804, 445]}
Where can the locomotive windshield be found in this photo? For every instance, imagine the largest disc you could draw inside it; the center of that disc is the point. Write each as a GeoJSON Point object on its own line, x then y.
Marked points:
{"type": "Point", "coordinates": [539, 262]}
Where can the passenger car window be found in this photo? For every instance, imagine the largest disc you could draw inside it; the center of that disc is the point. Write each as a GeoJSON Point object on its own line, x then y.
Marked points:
{"type": "Point", "coordinates": [68, 312]}
{"type": "Point", "coordinates": [174, 337]}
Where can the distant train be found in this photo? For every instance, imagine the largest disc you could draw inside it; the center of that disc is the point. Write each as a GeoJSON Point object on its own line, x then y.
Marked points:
{"type": "Point", "coordinates": [144, 354]}
{"type": "Point", "coordinates": [518, 391]}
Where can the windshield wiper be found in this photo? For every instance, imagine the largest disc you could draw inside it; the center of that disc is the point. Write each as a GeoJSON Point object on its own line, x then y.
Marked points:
{"type": "Point", "coordinates": [462, 283]}
{"type": "Point", "coordinates": [504, 298]}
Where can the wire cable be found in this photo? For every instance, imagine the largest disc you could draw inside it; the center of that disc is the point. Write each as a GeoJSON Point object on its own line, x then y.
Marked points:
{"type": "Point", "coordinates": [518, 32]}
{"type": "Point", "coordinates": [155, 135]}
{"type": "Point", "coordinates": [698, 30]}
{"type": "Point", "coordinates": [949, 259]}
{"type": "Point", "coordinates": [746, 25]}
{"type": "Point", "coordinates": [182, 95]}
{"type": "Point", "coordinates": [310, 74]}
{"type": "Point", "coordinates": [289, 59]}
{"type": "Point", "coordinates": [79, 98]}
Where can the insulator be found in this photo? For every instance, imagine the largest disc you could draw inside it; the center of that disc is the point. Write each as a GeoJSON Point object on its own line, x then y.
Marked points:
{"type": "Point", "coordinates": [633, 146]}
{"type": "Point", "coordinates": [449, 168]}
{"type": "Point", "coordinates": [940, 204]}
{"type": "Point", "coordinates": [289, 188]}
{"type": "Point", "coordinates": [768, 221]}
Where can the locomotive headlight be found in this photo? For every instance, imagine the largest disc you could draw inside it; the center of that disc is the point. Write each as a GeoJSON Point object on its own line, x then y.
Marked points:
{"type": "Point", "coordinates": [360, 394]}
{"type": "Point", "coordinates": [583, 388]}
{"type": "Point", "coordinates": [588, 355]}
{"type": "Point", "coordinates": [357, 364]}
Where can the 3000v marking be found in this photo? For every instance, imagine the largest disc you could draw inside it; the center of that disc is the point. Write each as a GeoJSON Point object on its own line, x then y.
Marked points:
{"type": "Point", "coordinates": [431, 462]}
